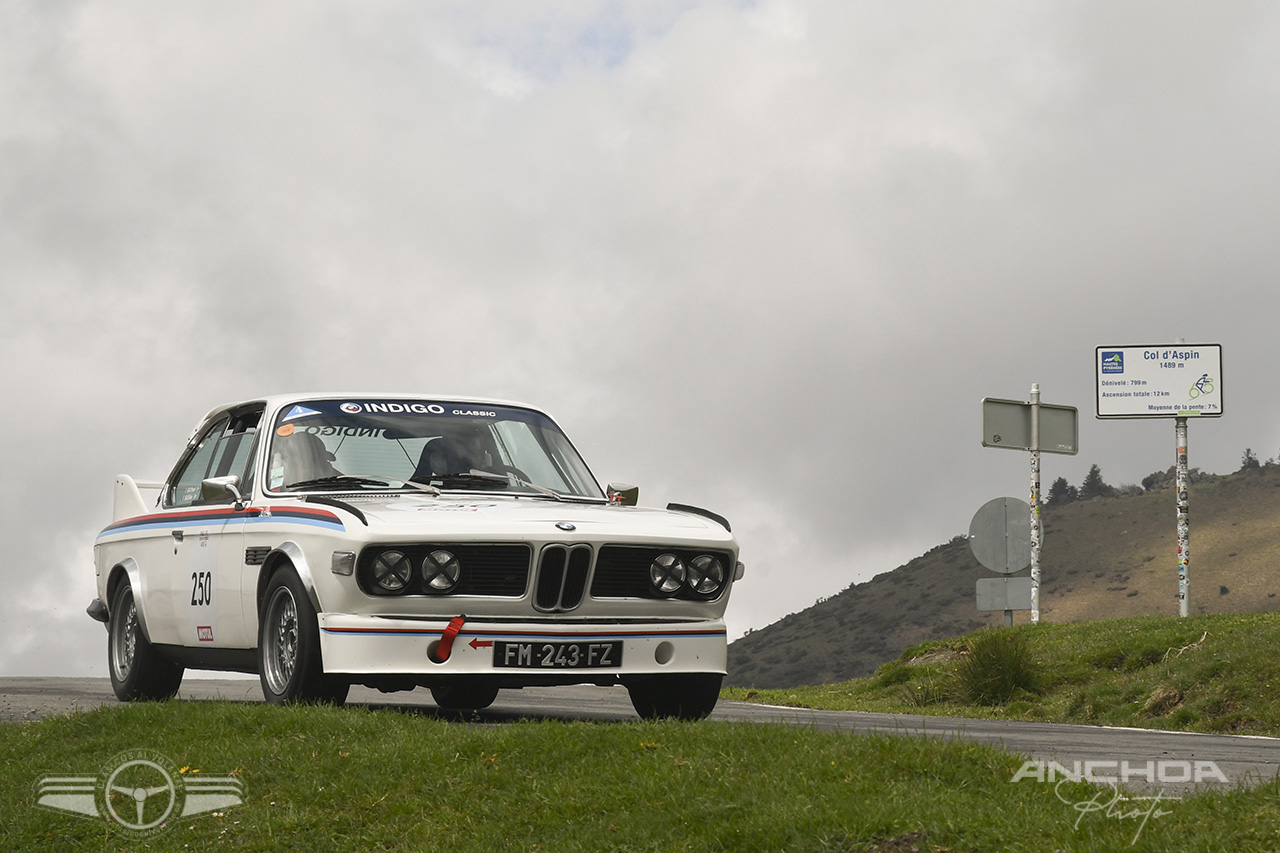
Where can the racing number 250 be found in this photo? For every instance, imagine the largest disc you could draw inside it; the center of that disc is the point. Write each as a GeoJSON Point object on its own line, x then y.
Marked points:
{"type": "Point", "coordinates": [201, 588]}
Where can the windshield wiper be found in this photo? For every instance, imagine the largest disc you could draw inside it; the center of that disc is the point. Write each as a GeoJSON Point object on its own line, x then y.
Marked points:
{"type": "Point", "coordinates": [542, 490]}
{"type": "Point", "coordinates": [477, 477]}
{"type": "Point", "coordinates": [340, 480]}
{"type": "Point", "coordinates": [471, 478]}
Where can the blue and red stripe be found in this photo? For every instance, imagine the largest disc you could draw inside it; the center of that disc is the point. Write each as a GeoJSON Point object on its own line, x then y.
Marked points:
{"type": "Point", "coordinates": [249, 515]}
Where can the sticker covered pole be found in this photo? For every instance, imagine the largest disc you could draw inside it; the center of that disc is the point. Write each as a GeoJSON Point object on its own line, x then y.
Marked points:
{"type": "Point", "coordinates": [1035, 503]}
{"type": "Point", "coordinates": [1184, 519]}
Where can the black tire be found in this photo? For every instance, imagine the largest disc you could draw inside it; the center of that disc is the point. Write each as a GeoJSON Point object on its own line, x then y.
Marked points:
{"type": "Point", "coordinates": [138, 671]}
{"type": "Point", "coordinates": [683, 696]}
{"type": "Point", "coordinates": [289, 665]}
{"type": "Point", "coordinates": [464, 695]}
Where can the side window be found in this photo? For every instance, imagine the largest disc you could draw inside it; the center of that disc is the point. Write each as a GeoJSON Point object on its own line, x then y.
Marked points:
{"type": "Point", "coordinates": [184, 489]}
{"type": "Point", "coordinates": [225, 449]}
{"type": "Point", "coordinates": [234, 453]}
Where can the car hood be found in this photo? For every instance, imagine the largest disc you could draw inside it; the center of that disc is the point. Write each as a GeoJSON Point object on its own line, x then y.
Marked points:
{"type": "Point", "coordinates": [530, 517]}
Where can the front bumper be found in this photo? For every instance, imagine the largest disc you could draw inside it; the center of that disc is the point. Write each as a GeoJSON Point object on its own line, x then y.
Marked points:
{"type": "Point", "coordinates": [375, 645]}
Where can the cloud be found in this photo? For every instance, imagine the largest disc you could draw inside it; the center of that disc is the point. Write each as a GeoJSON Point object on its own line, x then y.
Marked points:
{"type": "Point", "coordinates": [766, 258]}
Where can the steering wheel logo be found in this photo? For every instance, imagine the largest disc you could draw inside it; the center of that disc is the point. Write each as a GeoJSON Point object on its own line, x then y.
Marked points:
{"type": "Point", "coordinates": [140, 794]}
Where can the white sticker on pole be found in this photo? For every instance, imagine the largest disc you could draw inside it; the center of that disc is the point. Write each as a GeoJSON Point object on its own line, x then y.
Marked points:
{"type": "Point", "coordinates": [1159, 381]}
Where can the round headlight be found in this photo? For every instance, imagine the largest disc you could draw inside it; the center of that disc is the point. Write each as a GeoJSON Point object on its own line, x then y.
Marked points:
{"type": "Point", "coordinates": [706, 575]}
{"type": "Point", "coordinates": [392, 570]}
{"type": "Point", "coordinates": [441, 570]}
{"type": "Point", "coordinates": [666, 574]}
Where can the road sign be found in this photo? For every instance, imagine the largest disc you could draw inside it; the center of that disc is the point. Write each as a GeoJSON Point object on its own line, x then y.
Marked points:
{"type": "Point", "coordinates": [1035, 427]}
{"type": "Point", "coordinates": [1000, 535]}
{"type": "Point", "coordinates": [1007, 424]}
{"type": "Point", "coordinates": [1004, 593]}
{"type": "Point", "coordinates": [1178, 381]}
{"type": "Point", "coordinates": [1159, 381]}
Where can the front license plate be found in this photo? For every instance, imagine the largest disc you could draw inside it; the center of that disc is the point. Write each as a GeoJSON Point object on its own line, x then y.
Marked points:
{"type": "Point", "coordinates": [558, 655]}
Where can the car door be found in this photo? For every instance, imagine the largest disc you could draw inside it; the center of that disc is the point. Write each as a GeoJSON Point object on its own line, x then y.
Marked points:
{"type": "Point", "coordinates": [204, 577]}
{"type": "Point", "coordinates": [236, 574]}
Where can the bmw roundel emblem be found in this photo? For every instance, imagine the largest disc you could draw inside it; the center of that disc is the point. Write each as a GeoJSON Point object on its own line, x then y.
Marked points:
{"type": "Point", "coordinates": [564, 525]}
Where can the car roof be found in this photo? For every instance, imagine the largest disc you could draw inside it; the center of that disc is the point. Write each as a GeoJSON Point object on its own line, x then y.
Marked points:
{"type": "Point", "coordinates": [277, 401]}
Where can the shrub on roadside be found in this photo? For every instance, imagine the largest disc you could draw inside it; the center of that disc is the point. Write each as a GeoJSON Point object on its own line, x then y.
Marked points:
{"type": "Point", "coordinates": [997, 664]}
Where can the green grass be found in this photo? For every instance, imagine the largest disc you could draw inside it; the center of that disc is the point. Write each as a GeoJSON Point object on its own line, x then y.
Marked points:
{"type": "Point", "coordinates": [1215, 673]}
{"type": "Point", "coordinates": [320, 778]}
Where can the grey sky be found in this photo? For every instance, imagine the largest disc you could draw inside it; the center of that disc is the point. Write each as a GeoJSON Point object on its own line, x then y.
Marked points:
{"type": "Point", "coordinates": [761, 257]}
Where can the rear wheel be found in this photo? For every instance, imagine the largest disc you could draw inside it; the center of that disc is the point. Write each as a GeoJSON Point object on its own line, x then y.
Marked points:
{"type": "Point", "coordinates": [682, 696]}
{"type": "Point", "coordinates": [138, 672]}
{"type": "Point", "coordinates": [464, 696]}
{"type": "Point", "coordinates": [289, 663]}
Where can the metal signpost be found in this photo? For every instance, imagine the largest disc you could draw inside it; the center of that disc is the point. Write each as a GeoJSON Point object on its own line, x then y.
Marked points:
{"type": "Point", "coordinates": [1034, 426]}
{"type": "Point", "coordinates": [1178, 381]}
{"type": "Point", "coordinates": [1000, 539]}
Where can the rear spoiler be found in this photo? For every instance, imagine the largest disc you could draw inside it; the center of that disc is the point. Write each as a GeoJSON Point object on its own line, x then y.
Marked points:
{"type": "Point", "coordinates": [129, 503]}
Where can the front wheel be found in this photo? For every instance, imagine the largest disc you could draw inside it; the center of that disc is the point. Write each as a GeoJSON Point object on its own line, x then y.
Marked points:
{"type": "Point", "coordinates": [682, 696]}
{"type": "Point", "coordinates": [138, 672]}
{"type": "Point", "coordinates": [289, 647]}
{"type": "Point", "coordinates": [463, 695]}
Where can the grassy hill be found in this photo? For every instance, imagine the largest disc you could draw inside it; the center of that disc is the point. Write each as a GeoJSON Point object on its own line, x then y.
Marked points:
{"type": "Point", "coordinates": [1104, 558]}
{"type": "Point", "coordinates": [1209, 673]}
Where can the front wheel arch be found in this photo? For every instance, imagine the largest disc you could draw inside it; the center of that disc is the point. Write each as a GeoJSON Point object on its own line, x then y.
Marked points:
{"type": "Point", "coordinates": [290, 667]}
{"type": "Point", "coordinates": [287, 557]}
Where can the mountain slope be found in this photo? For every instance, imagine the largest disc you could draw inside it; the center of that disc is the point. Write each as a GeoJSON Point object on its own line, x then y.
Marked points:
{"type": "Point", "coordinates": [1104, 558]}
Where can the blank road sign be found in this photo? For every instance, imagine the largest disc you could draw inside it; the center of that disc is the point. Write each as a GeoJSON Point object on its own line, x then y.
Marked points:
{"type": "Point", "coordinates": [1000, 535]}
{"type": "Point", "coordinates": [1004, 594]}
{"type": "Point", "coordinates": [1007, 424]}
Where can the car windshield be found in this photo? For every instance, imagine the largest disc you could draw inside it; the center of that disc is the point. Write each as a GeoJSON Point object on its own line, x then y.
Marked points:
{"type": "Point", "coordinates": [365, 444]}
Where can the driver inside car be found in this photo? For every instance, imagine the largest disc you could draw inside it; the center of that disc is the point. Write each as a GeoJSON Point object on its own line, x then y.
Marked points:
{"type": "Point", "coordinates": [299, 457]}
{"type": "Point", "coordinates": [459, 449]}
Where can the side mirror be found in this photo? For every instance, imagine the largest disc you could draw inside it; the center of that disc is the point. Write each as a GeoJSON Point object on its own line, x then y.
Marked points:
{"type": "Point", "coordinates": [622, 494]}
{"type": "Point", "coordinates": [216, 488]}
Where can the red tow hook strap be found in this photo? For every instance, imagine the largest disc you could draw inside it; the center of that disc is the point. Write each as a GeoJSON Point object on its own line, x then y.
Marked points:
{"type": "Point", "coordinates": [446, 639]}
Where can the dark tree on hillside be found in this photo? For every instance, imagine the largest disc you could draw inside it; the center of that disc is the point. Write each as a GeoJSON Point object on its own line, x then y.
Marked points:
{"type": "Point", "coordinates": [1160, 480]}
{"type": "Point", "coordinates": [1062, 492]}
{"type": "Point", "coordinates": [1249, 462]}
{"type": "Point", "coordinates": [1157, 480]}
{"type": "Point", "coordinates": [1094, 486]}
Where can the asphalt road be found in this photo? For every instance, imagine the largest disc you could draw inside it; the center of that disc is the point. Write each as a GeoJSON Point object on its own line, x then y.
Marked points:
{"type": "Point", "coordinates": [1171, 761]}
